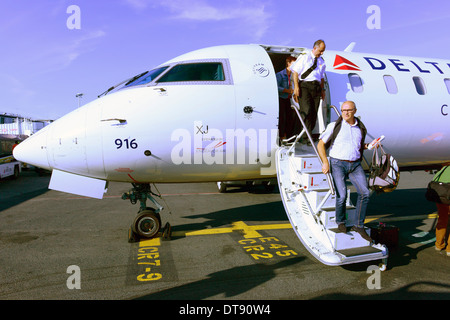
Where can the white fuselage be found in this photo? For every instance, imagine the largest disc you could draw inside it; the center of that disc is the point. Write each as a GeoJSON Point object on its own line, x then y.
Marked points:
{"type": "Point", "coordinates": [224, 127]}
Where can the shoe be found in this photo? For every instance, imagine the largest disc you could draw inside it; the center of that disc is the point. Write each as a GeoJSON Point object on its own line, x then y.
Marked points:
{"type": "Point", "coordinates": [342, 228]}
{"type": "Point", "coordinates": [362, 233]}
{"type": "Point", "coordinates": [441, 250]}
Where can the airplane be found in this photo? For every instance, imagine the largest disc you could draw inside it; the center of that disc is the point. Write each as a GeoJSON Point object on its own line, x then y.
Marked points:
{"type": "Point", "coordinates": [212, 114]}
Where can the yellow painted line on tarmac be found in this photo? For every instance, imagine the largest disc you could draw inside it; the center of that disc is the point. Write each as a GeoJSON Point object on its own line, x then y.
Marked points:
{"type": "Point", "coordinates": [240, 226]}
{"type": "Point", "coordinates": [247, 231]}
{"type": "Point", "coordinates": [155, 242]}
{"type": "Point", "coordinates": [252, 231]}
{"type": "Point", "coordinates": [386, 218]}
{"type": "Point", "coordinates": [202, 232]}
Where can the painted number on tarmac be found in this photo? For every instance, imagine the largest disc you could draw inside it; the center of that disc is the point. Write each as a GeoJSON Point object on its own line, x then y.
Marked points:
{"type": "Point", "coordinates": [264, 248]}
{"type": "Point", "coordinates": [149, 261]}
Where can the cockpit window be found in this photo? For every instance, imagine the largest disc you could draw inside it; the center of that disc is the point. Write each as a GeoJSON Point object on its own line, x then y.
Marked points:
{"type": "Point", "coordinates": [207, 71]}
{"type": "Point", "coordinates": [145, 77]}
{"type": "Point", "coordinates": [210, 72]}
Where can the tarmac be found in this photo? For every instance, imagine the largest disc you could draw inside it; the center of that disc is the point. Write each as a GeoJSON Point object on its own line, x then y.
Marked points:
{"type": "Point", "coordinates": [236, 245]}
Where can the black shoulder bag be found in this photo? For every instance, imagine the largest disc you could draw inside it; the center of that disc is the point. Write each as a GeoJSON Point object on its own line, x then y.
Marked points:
{"type": "Point", "coordinates": [438, 191]}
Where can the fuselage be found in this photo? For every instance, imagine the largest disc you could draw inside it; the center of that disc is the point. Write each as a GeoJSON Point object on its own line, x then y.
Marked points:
{"type": "Point", "coordinates": [212, 115]}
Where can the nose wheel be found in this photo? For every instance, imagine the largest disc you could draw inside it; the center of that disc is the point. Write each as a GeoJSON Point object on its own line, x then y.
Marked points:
{"type": "Point", "coordinates": [147, 223]}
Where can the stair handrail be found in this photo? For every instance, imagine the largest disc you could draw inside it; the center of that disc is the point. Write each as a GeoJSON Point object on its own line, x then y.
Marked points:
{"type": "Point", "coordinates": [296, 107]}
{"type": "Point", "coordinates": [335, 110]}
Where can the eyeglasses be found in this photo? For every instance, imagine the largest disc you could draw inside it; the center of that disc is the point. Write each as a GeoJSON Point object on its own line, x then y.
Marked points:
{"type": "Point", "coordinates": [348, 110]}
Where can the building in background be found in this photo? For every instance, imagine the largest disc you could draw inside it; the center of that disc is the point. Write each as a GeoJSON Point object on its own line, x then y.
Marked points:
{"type": "Point", "coordinates": [13, 130]}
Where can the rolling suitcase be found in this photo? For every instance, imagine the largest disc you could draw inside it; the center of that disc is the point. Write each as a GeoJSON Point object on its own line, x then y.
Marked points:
{"type": "Point", "coordinates": [385, 234]}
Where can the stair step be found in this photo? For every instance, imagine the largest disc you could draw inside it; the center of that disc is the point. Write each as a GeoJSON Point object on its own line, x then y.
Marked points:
{"type": "Point", "coordinates": [308, 181]}
{"type": "Point", "coordinates": [315, 197]}
{"type": "Point", "coordinates": [349, 240]}
{"type": "Point", "coordinates": [359, 251]}
{"type": "Point", "coordinates": [314, 181]}
{"type": "Point", "coordinates": [303, 150]}
{"type": "Point", "coordinates": [307, 164]}
{"type": "Point", "coordinates": [328, 217]}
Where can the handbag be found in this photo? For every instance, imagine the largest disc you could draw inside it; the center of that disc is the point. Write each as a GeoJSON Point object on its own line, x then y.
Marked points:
{"type": "Point", "coordinates": [384, 172]}
{"type": "Point", "coordinates": [438, 191]}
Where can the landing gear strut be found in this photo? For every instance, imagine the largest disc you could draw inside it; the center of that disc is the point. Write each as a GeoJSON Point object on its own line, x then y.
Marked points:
{"type": "Point", "coordinates": [147, 223]}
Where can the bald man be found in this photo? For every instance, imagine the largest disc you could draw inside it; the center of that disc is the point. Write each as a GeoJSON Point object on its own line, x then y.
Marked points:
{"type": "Point", "coordinates": [345, 137]}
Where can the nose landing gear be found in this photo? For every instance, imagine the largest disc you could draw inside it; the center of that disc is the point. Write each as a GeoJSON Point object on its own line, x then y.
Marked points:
{"type": "Point", "coordinates": [147, 223]}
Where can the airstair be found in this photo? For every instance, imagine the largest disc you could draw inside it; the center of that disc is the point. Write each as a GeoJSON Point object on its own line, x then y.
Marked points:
{"type": "Point", "coordinates": [309, 199]}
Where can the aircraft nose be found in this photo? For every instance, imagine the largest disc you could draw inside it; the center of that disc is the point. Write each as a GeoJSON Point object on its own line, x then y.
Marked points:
{"type": "Point", "coordinates": [34, 150]}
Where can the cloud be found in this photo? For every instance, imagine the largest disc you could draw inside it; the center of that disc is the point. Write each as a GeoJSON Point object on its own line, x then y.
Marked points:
{"type": "Point", "coordinates": [137, 4]}
{"type": "Point", "coordinates": [249, 17]}
{"type": "Point", "coordinates": [60, 55]}
{"type": "Point", "coordinates": [200, 11]}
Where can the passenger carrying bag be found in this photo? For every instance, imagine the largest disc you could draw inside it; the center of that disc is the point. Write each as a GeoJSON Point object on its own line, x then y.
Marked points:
{"type": "Point", "coordinates": [384, 172]}
{"type": "Point", "coordinates": [438, 190]}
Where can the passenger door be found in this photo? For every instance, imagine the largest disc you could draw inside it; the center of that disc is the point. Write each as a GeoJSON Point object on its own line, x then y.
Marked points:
{"type": "Point", "coordinates": [256, 108]}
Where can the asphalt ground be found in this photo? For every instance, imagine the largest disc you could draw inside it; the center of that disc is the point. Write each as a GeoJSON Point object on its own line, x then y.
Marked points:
{"type": "Point", "coordinates": [233, 246]}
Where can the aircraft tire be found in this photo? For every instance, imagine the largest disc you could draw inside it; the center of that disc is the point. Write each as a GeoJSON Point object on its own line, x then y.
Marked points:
{"type": "Point", "coordinates": [147, 224]}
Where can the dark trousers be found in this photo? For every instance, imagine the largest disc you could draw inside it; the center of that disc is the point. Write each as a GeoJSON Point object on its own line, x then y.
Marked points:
{"type": "Point", "coordinates": [311, 93]}
{"type": "Point", "coordinates": [286, 119]}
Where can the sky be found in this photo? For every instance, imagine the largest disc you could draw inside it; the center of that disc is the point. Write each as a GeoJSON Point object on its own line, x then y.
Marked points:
{"type": "Point", "coordinates": [50, 50]}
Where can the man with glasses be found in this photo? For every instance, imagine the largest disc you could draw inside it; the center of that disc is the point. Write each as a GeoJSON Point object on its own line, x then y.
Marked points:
{"type": "Point", "coordinates": [345, 137]}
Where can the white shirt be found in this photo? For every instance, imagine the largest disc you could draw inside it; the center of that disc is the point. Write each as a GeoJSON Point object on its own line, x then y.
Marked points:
{"type": "Point", "coordinates": [304, 62]}
{"type": "Point", "coordinates": [347, 143]}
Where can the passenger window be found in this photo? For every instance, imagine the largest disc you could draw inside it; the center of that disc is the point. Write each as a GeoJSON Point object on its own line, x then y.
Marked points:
{"type": "Point", "coordinates": [391, 85]}
{"type": "Point", "coordinates": [420, 85]}
{"type": "Point", "coordinates": [447, 84]}
{"type": "Point", "coordinates": [209, 71]}
{"type": "Point", "coordinates": [355, 82]}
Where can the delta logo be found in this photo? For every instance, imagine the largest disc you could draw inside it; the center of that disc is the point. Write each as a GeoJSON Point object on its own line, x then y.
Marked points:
{"type": "Point", "coordinates": [340, 63]}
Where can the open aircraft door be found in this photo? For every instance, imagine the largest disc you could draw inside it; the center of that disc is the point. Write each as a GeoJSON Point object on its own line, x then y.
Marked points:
{"type": "Point", "coordinates": [256, 109]}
